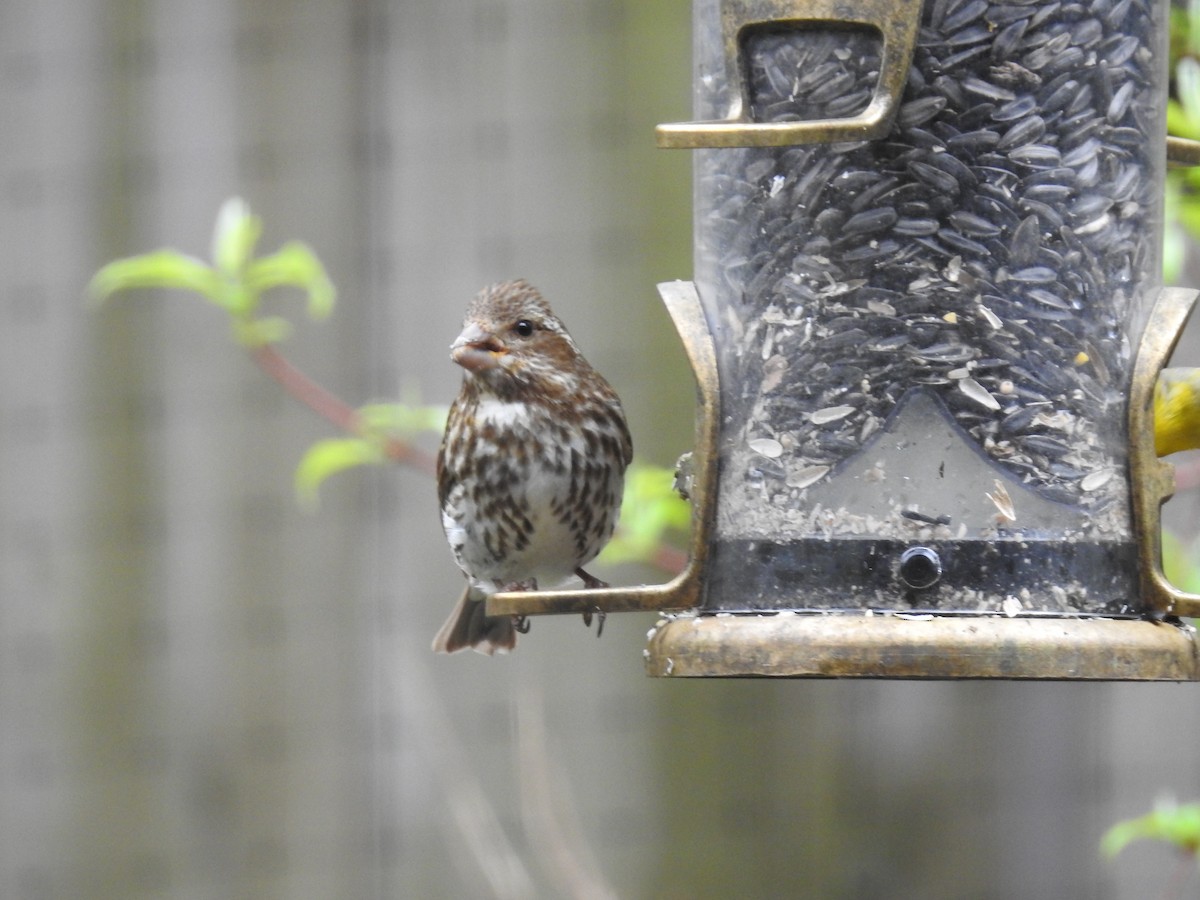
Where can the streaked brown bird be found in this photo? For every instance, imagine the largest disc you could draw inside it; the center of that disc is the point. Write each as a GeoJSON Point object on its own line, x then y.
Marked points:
{"type": "Point", "coordinates": [532, 464]}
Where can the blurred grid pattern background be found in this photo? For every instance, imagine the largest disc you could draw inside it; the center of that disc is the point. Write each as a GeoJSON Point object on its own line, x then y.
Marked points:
{"type": "Point", "coordinates": [207, 692]}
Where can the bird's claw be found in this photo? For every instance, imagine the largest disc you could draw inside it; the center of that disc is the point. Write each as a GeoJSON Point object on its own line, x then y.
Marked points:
{"type": "Point", "coordinates": [591, 582]}
{"type": "Point", "coordinates": [600, 614]}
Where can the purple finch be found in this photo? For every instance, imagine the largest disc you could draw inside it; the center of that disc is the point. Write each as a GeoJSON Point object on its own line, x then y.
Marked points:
{"type": "Point", "coordinates": [532, 464]}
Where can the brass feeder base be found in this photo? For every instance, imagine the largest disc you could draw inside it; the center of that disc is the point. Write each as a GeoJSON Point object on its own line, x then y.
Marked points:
{"type": "Point", "coordinates": [808, 645]}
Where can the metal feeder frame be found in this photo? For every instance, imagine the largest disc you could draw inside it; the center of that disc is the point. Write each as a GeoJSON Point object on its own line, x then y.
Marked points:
{"type": "Point", "coordinates": [690, 641]}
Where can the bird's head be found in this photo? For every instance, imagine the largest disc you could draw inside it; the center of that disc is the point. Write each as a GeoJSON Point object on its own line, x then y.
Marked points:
{"type": "Point", "coordinates": [511, 339]}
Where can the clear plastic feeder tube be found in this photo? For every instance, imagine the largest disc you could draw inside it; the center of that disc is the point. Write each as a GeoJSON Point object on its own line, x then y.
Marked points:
{"type": "Point", "coordinates": [924, 340]}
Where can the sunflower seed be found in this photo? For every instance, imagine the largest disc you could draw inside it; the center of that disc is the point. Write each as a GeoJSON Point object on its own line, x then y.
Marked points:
{"type": "Point", "coordinates": [807, 476]}
{"type": "Point", "coordinates": [973, 390]}
{"type": "Point", "coordinates": [768, 447]}
{"type": "Point", "coordinates": [830, 414]}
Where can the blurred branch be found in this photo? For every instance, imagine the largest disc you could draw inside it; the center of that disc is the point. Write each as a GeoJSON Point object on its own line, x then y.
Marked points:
{"type": "Point", "coordinates": [336, 411]}
{"type": "Point", "coordinates": [235, 281]}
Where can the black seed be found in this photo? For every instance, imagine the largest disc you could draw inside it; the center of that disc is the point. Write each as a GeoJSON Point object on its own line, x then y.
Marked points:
{"type": "Point", "coordinates": [1017, 109]}
{"type": "Point", "coordinates": [1001, 15]}
{"type": "Point", "coordinates": [1122, 51]}
{"type": "Point", "coordinates": [1007, 40]}
{"type": "Point", "coordinates": [1117, 15]}
{"type": "Point", "coordinates": [961, 243]}
{"type": "Point", "coordinates": [1080, 101]}
{"type": "Point", "coordinates": [986, 89]}
{"type": "Point", "coordinates": [1082, 153]}
{"type": "Point", "coordinates": [1050, 193]}
{"type": "Point", "coordinates": [1051, 218]}
{"type": "Point", "coordinates": [946, 353]}
{"type": "Point", "coordinates": [909, 226]}
{"type": "Point", "coordinates": [1035, 275]}
{"type": "Point", "coordinates": [1087, 33]}
{"type": "Point", "coordinates": [870, 221]}
{"type": "Point", "coordinates": [916, 112]}
{"type": "Point", "coordinates": [934, 177]}
{"type": "Point", "coordinates": [972, 34]}
{"type": "Point", "coordinates": [973, 225]}
{"type": "Point", "coordinates": [849, 104]}
{"type": "Point", "coordinates": [1088, 207]}
{"type": "Point", "coordinates": [1019, 421]}
{"type": "Point", "coordinates": [1057, 175]}
{"type": "Point", "coordinates": [1120, 103]}
{"type": "Point", "coordinates": [1045, 445]}
{"type": "Point", "coordinates": [973, 141]}
{"type": "Point", "coordinates": [1025, 131]}
{"type": "Point", "coordinates": [1038, 155]}
{"type": "Point", "coordinates": [1046, 298]}
{"type": "Point", "coordinates": [966, 14]}
{"type": "Point", "coordinates": [1061, 92]}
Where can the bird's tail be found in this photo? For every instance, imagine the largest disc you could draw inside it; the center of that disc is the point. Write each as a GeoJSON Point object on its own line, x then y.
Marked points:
{"type": "Point", "coordinates": [469, 626]}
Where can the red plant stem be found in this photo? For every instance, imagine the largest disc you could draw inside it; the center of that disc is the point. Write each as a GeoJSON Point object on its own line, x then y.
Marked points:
{"type": "Point", "coordinates": [332, 408]}
{"type": "Point", "coordinates": [307, 391]}
{"type": "Point", "coordinates": [1187, 475]}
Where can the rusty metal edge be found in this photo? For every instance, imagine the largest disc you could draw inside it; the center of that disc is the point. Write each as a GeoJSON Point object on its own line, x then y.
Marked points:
{"type": "Point", "coordinates": [1152, 480]}
{"type": "Point", "coordinates": [921, 647]}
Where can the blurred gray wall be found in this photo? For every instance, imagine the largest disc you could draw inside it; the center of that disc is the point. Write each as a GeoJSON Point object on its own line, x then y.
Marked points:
{"type": "Point", "coordinates": [207, 692]}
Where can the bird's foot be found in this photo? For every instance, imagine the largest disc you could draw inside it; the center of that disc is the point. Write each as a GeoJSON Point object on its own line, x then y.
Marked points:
{"type": "Point", "coordinates": [521, 623]}
{"type": "Point", "coordinates": [592, 583]}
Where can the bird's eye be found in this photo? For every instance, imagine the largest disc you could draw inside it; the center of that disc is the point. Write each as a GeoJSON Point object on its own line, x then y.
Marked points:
{"type": "Point", "coordinates": [523, 327]}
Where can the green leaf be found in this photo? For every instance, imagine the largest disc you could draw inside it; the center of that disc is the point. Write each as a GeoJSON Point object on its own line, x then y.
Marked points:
{"type": "Point", "coordinates": [237, 280]}
{"type": "Point", "coordinates": [403, 419]}
{"type": "Point", "coordinates": [328, 457]}
{"type": "Point", "coordinates": [236, 233]}
{"type": "Point", "coordinates": [1170, 822]}
{"type": "Point", "coordinates": [1180, 123]}
{"type": "Point", "coordinates": [1189, 215]}
{"type": "Point", "coordinates": [650, 512]}
{"type": "Point", "coordinates": [159, 269]}
{"type": "Point", "coordinates": [294, 265]}
{"type": "Point", "coordinates": [252, 333]}
{"type": "Point", "coordinates": [1179, 562]}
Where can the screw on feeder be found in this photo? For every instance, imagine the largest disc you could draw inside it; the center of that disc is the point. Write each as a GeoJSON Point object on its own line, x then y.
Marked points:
{"type": "Point", "coordinates": [920, 568]}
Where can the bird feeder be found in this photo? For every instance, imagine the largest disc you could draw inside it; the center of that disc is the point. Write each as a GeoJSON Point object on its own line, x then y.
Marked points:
{"type": "Point", "coordinates": [926, 322]}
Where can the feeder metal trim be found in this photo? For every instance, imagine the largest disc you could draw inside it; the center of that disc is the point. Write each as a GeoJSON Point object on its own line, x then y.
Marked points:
{"type": "Point", "coordinates": [1182, 151]}
{"type": "Point", "coordinates": [1153, 480]}
{"type": "Point", "coordinates": [922, 647]}
{"type": "Point", "coordinates": [896, 21]}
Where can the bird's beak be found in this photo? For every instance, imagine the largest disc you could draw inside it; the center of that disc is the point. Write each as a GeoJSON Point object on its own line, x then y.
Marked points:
{"type": "Point", "coordinates": [477, 349]}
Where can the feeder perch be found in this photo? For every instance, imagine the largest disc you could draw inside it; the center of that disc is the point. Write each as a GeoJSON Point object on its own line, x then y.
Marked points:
{"type": "Point", "coordinates": [926, 324]}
